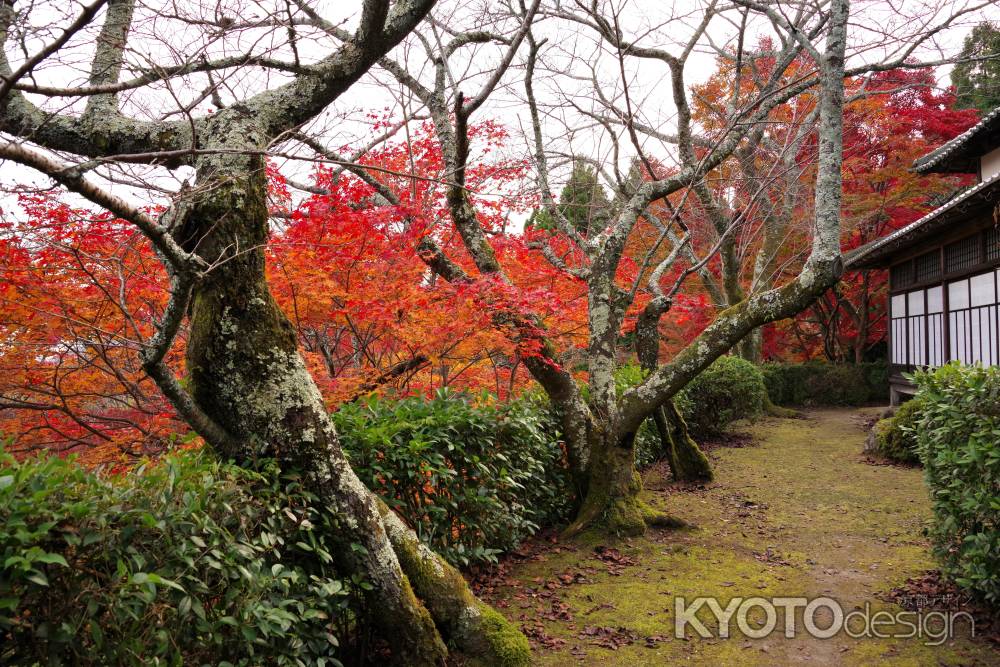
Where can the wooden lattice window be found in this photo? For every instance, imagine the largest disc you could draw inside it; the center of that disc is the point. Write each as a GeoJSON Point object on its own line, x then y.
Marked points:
{"type": "Point", "coordinates": [993, 244]}
{"type": "Point", "coordinates": [928, 267]}
{"type": "Point", "coordinates": [901, 275]}
{"type": "Point", "coordinates": [962, 255]}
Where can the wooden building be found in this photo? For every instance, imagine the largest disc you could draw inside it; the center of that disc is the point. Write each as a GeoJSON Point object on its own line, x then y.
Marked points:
{"type": "Point", "coordinates": [944, 280]}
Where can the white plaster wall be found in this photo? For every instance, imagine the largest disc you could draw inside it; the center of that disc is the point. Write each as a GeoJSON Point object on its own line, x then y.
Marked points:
{"type": "Point", "coordinates": [990, 164]}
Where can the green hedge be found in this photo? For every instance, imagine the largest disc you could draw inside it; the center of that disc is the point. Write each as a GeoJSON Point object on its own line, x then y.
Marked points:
{"type": "Point", "coordinates": [473, 479]}
{"type": "Point", "coordinates": [959, 444]}
{"type": "Point", "coordinates": [189, 561]}
{"type": "Point", "coordinates": [817, 383]}
{"type": "Point", "coordinates": [728, 390]}
{"type": "Point", "coordinates": [896, 436]}
{"type": "Point", "coordinates": [182, 562]}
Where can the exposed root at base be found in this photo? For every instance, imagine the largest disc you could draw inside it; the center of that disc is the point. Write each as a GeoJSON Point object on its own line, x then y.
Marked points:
{"type": "Point", "coordinates": [656, 519]}
{"type": "Point", "coordinates": [624, 517]}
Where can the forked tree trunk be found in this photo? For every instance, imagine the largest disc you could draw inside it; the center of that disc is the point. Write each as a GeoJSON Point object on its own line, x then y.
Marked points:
{"type": "Point", "coordinates": [246, 373]}
{"type": "Point", "coordinates": [612, 500]}
{"type": "Point", "coordinates": [614, 485]}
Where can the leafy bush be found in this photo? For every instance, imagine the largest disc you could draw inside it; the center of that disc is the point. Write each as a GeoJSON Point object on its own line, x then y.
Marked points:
{"type": "Point", "coordinates": [179, 562]}
{"type": "Point", "coordinates": [648, 446]}
{"type": "Point", "coordinates": [472, 479]}
{"type": "Point", "coordinates": [730, 389]}
{"type": "Point", "coordinates": [959, 443]}
{"type": "Point", "coordinates": [896, 436]}
{"type": "Point", "coordinates": [817, 383]}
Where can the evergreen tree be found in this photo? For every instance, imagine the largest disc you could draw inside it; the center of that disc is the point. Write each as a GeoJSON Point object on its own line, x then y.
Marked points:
{"type": "Point", "coordinates": [582, 201]}
{"type": "Point", "coordinates": [977, 82]}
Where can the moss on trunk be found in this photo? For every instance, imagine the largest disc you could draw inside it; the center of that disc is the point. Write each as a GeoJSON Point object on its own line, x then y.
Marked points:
{"type": "Point", "coordinates": [612, 500]}
{"type": "Point", "coordinates": [481, 633]}
{"type": "Point", "coordinates": [613, 503]}
{"type": "Point", "coordinates": [687, 462]}
{"type": "Point", "coordinates": [246, 374]}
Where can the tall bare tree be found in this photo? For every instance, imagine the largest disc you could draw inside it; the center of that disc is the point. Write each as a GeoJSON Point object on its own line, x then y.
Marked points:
{"type": "Point", "coordinates": [600, 426]}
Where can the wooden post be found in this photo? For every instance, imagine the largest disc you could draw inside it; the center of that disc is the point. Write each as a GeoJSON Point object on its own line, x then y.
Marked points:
{"type": "Point", "coordinates": [946, 312]}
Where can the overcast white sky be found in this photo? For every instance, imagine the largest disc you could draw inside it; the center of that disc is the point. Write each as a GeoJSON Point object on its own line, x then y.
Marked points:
{"type": "Point", "coordinates": [878, 29]}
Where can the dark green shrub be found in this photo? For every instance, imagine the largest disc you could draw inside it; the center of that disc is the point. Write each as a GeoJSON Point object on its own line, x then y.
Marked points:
{"type": "Point", "coordinates": [958, 438]}
{"type": "Point", "coordinates": [896, 436]}
{"type": "Point", "coordinates": [730, 389]}
{"type": "Point", "coordinates": [840, 384]}
{"type": "Point", "coordinates": [877, 379]}
{"type": "Point", "coordinates": [182, 562]}
{"type": "Point", "coordinates": [472, 479]}
{"type": "Point", "coordinates": [818, 383]}
{"type": "Point", "coordinates": [189, 561]}
{"type": "Point", "coordinates": [785, 383]}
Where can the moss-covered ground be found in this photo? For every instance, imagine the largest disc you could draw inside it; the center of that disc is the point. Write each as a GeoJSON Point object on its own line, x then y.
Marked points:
{"type": "Point", "coordinates": [797, 513]}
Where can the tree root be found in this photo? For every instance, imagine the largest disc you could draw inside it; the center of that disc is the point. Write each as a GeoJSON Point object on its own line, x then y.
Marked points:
{"type": "Point", "coordinates": [773, 410]}
{"type": "Point", "coordinates": [656, 519]}
{"type": "Point", "coordinates": [625, 516]}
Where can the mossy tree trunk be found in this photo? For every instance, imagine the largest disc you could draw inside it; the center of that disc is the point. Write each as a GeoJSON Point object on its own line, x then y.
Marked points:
{"type": "Point", "coordinates": [613, 483]}
{"type": "Point", "coordinates": [247, 375]}
{"type": "Point", "coordinates": [687, 462]}
{"type": "Point", "coordinates": [612, 500]}
{"type": "Point", "coordinates": [612, 497]}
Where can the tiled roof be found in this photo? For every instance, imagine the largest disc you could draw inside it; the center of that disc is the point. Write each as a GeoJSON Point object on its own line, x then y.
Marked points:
{"type": "Point", "coordinates": [953, 148]}
{"type": "Point", "coordinates": [866, 255]}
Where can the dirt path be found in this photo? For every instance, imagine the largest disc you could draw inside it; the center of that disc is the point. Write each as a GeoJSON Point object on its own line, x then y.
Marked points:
{"type": "Point", "coordinates": [796, 514]}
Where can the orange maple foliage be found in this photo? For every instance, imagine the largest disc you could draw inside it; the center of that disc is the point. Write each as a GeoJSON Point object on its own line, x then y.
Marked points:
{"type": "Point", "coordinates": [80, 292]}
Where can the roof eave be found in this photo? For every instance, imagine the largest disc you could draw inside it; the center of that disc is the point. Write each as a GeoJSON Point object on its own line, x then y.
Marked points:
{"type": "Point", "coordinates": [878, 253]}
{"type": "Point", "coordinates": [955, 156]}
{"type": "Point", "coordinates": [953, 164]}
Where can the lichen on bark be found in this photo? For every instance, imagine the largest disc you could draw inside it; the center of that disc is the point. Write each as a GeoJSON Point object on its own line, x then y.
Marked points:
{"type": "Point", "coordinates": [481, 633]}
